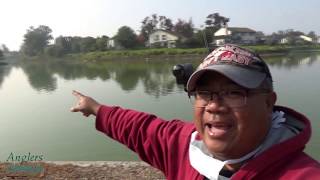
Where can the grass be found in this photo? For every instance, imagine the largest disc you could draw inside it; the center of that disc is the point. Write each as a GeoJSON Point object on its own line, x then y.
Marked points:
{"type": "Point", "coordinates": [146, 53]}
{"type": "Point", "coordinates": [138, 53]}
{"type": "Point", "coordinates": [267, 49]}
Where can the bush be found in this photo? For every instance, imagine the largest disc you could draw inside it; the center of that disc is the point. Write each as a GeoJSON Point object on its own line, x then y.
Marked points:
{"type": "Point", "coordinates": [55, 51]}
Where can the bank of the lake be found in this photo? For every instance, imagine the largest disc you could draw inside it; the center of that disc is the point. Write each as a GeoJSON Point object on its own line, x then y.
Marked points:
{"type": "Point", "coordinates": [80, 170]}
{"type": "Point", "coordinates": [165, 52]}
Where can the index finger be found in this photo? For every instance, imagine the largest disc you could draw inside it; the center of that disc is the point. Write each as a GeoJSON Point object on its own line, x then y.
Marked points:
{"type": "Point", "coordinates": [78, 94]}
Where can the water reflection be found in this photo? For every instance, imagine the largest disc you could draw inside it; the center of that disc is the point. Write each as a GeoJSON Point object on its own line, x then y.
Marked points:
{"type": "Point", "coordinates": [293, 60]}
{"type": "Point", "coordinates": [128, 75]}
{"type": "Point", "coordinates": [40, 76]}
{"type": "Point", "coordinates": [154, 75]}
{"type": "Point", "coordinates": [4, 71]}
{"type": "Point", "coordinates": [160, 83]}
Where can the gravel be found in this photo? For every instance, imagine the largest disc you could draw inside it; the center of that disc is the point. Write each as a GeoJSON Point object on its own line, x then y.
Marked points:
{"type": "Point", "coordinates": [82, 170]}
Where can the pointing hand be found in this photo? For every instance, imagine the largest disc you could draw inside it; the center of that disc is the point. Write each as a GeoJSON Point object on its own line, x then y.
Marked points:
{"type": "Point", "coordinates": [85, 104]}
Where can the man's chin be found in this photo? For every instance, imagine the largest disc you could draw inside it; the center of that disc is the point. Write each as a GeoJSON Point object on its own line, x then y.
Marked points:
{"type": "Point", "coordinates": [217, 147]}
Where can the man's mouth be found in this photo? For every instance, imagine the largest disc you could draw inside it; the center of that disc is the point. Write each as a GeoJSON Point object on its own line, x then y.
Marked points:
{"type": "Point", "coordinates": [217, 129]}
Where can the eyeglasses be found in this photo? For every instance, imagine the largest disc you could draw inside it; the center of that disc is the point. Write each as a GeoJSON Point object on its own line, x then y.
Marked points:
{"type": "Point", "coordinates": [232, 98]}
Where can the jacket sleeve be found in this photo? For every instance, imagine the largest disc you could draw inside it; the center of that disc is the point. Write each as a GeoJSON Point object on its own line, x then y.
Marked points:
{"type": "Point", "coordinates": [143, 133]}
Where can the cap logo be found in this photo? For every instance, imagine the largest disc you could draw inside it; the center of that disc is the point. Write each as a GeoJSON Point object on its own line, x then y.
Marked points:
{"type": "Point", "coordinates": [227, 54]}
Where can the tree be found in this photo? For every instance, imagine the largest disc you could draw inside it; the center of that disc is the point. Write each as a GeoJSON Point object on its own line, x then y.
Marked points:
{"type": "Point", "coordinates": [102, 43]}
{"type": "Point", "coordinates": [88, 44]}
{"type": "Point", "coordinates": [213, 23]}
{"type": "Point", "coordinates": [293, 36]}
{"type": "Point", "coordinates": [5, 49]}
{"type": "Point", "coordinates": [61, 46]}
{"type": "Point", "coordinates": [64, 43]}
{"type": "Point", "coordinates": [141, 40]}
{"type": "Point", "coordinates": [149, 24]}
{"type": "Point", "coordinates": [54, 50]}
{"type": "Point", "coordinates": [206, 35]}
{"type": "Point", "coordinates": [216, 21]}
{"type": "Point", "coordinates": [313, 35]}
{"type": "Point", "coordinates": [75, 44]}
{"type": "Point", "coordinates": [184, 28]}
{"type": "Point", "coordinates": [126, 37]}
{"type": "Point", "coordinates": [67, 44]}
{"type": "Point", "coordinates": [261, 37]}
{"type": "Point", "coordinates": [1, 54]}
{"type": "Point", "coordinates": [288, 36]}
{"type": "Point", "coordinates": [198, 39]}
{"type": "Point", "coordinates": [35, 40]}
{"type": "Point", "coordinates": [165, 23]}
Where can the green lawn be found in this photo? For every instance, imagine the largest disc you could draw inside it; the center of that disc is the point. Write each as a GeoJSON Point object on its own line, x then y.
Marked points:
{"type": "Point", "coordinates": [111, 54]}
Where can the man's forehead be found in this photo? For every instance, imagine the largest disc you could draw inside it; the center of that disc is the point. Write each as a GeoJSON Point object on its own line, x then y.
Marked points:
{"type": "Point", "coordinates": [219, 86]}
{"type": "Point", "coordinates": [212, 80]}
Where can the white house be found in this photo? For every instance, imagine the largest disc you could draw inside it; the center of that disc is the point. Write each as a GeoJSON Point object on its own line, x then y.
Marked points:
{"type": "Point", "coordinates": [301, 38]}
{"type": "Point", "coordinates": [306, 38]}
{"type": "Point", "coordinates": [162, 38]}
{"type": "Point", "coordinates": [112, 44]}
{"type": "Point", "coordinates": [239, 35]}
{"type": "Point", "coordinates": [284, 40]}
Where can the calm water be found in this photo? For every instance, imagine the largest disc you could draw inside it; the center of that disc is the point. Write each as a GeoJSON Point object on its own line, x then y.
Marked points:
{"type": "Point", "coordinates": [36, 97]}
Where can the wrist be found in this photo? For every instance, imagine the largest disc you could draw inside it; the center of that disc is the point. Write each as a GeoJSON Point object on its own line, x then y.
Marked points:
{"type": "Point", "coordinates": [96, 109]}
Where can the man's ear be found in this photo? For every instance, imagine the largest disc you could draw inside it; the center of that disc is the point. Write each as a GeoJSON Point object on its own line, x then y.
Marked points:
{"type": "Point", "coordinates": [271, 100]}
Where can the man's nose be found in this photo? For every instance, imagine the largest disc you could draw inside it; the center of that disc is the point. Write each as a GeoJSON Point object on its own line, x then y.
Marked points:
{"type": "Point", "coordinates": [216, 106]}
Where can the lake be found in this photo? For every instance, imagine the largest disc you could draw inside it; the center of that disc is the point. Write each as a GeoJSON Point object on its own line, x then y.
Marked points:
{"type": "Point", "coordinates": [36, 98]}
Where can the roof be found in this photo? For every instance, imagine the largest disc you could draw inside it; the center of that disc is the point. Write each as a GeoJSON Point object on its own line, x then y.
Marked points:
{"type": "Point", "coordinates": [240, 29]}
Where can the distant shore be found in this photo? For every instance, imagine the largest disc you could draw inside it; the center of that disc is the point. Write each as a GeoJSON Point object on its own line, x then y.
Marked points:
{"type": "Point", "coordinates": [264, 50]}
{"type": "Point", "coordinates": [81, 170]}
{"type": "Point", "coordinates": [164, 53]}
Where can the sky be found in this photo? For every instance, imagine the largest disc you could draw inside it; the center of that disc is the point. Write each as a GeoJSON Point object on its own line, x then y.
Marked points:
{"type": "Point", "coordinates": [104, 17]}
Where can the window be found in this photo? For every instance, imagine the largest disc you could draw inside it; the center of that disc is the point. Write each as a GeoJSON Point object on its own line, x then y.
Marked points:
{"type": "Point", "coordinates": [164, 37]}
{"type": "Point", "coordinates": [156, 38]}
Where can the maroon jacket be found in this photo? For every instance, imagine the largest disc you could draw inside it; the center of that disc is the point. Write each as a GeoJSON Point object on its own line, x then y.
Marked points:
{"type": "Point", "coordinates": [165, 144]}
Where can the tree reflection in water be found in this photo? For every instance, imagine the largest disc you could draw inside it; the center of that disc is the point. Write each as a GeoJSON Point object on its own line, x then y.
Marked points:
{"type": "Point", "coordinates": [4, 71]}
{"type": "Point", "coordinates": [154, 75]}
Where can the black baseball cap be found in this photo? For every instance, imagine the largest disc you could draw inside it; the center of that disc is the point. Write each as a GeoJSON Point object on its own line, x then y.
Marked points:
{"type": "Point", "coordinates": [240, 65]}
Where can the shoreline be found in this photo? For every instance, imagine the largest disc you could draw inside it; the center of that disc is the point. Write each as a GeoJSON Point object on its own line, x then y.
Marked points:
{"type": "Point", "coordinates": [181, 53]}
{"type": "Point", "coordinates": [164, 54]}
{"type": "Point", "coordinates": [80, 170]}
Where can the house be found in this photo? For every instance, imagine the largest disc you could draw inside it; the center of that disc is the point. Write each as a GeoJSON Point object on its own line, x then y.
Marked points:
{"type": "Point", "coordinates": [113, 44]}
{"type": "Point", "coordinates": [162, 38]}
{"type": "Point", "coordinates": [284, 40]}
{"type": "Point", "coordinates": [314, 39]}
{"type": "Point", "coordinates": [237, 35]}
{"type": "Point", "coordinates": [297, 39]}
{"type": "Point", "coordinates": [306, 38]}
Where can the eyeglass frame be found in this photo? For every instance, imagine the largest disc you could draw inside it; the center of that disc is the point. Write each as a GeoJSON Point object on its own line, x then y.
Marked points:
{"type": "Point", "coordinates": [219, 95]}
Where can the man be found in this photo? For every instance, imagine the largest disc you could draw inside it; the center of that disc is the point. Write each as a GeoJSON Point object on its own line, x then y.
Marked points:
{"type": "Point", "coordinates": [237, 132]}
